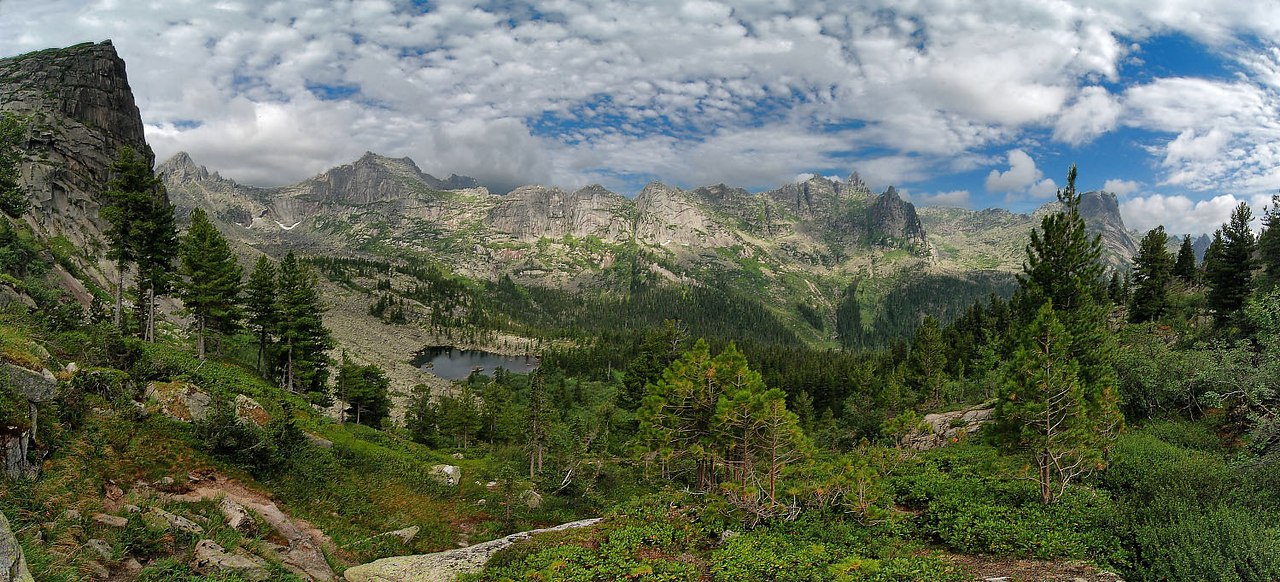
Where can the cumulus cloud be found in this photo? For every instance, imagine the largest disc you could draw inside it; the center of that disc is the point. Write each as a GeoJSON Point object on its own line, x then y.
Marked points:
{"type": "Point", "coordinates": [1022, 173]}
{"type": "Point", "coordinates": [1120, 187]}
{"type": "Point", "coordinates": [1181, 215]}
{"type": "Point", "coordinates": [952, 199]}
{"type": "Point", "coordinates": [695, 91]}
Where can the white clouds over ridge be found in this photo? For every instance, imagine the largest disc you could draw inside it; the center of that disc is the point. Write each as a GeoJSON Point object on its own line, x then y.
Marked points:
{"type": "Point", "coordinates": [749, 93]}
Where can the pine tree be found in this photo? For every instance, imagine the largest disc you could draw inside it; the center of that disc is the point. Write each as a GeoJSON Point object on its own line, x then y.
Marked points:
{"type": "Point", "coordinates": [13, 201]}
{"type": "Point", "coordinates": [1059, 288]}
{"type": "Point", "coordinates": [1211, 255]}
{"type": "Point", "coordinates": [1269, 243]}
{"type": "Point", "coordinates": [210, 288]}
{"type": "Point", "coordinates": [366, 390]}
{"type": "Point", "coordinates": [1230, 275]}
{"type": "Point", "coordinates": [260, 304]}
{"type": "Point", "coordinates": [126, 202]}
{"type": "Point", "coordinates": [1152, 271]}
{"type": "Point", "coordinates": [928, 360]}
{"type": "Point", "coordinates": [300, 329]}
{"type": "Point", "coordinates": [1185, 267]}
{"type": "Point", "coordinates": [156, 238]}
{"type": "Point", "coordinates": [1115, 288]}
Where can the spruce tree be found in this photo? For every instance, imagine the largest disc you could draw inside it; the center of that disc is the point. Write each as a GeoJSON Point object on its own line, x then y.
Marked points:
{"type": "Point", "coordinates": [1152, 271]}
{"type": "Point", "coordinates": [156, 239]}
{"type": "Point", "coordinates": [1185, 267]}
{"type": "Point", "coordinates": [1064, 277]}
{"type": "Point", "coordinates": [13, 201]}
{"type": "Point", "coordinates": [366, 390]}
{"type": "Point", "coordinates": [1269, 243]}
{"type": "Point", "coordinates": [927, 362]}
{"type": "Point", "coordinates": [260, 304]}
{"type": "Point", "coordinates": [300, 330]}
{"type": "Point", "coordinates": [1230, 275]}
{"type": "Point", "coordinates": [210, 287]}
{"type": "Point", "coordinates": [126, 203]}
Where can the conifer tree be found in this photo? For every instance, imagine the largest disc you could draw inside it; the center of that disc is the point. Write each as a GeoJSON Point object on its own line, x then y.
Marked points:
{"type": "Point", "coordinates": [1269, 243]}
{"type": "Point", "coordinates": [1230, 275]}
{"type": "Point", "coordinates": [260, 304]}
{"type": "Point", "coordinates": [927, 362]}
{"type": "Point", "coordinates": [1211, 255]}
{"type": "Point", "coordinates": [1185, 267]}
{"type": "Point", "coordinates": [156, 239]}
{"type": "Point", "coordinates": [126, 203]}
{"type": "Point", "coordinates": [1115, 288]}
{"type": "Point", "coordinates": [1059, 290]}
{"type": "Point", "coordinates": [1152, 271]}
{"type": "Point", "coordinates": [13, 201]}
{"type": "Point", "coordinates": [366, 390]}
{"type": "Point", "coordinates": [300, 329]}
{"type": "Point", "coordinates": [210, 288]}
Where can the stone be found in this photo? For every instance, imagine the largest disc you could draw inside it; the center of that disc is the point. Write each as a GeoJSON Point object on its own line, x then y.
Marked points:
{"type": "Point", "coordinates": [237, 517]}
{"type": "Point", "coordinates": [319, 441]}
{"type": "Point", "coordinates": [17, 450]}
{"type": "Point", "coordinates": [532, 499]}
{"type": "Point", "coordinates": [110, 520]}
{"type": "Point", "coordinates": [112, 491]}
{"type": "Point", "coordinates": [210, 558]}
{"type": "Point", "coordinates": [99, 571]}
{"type": "Point", "coordinates": [132, 567]}
{"type": "Point", "coordinates": [13, 564]}
{"type": "Point", "coordinates": [406, 535]}
{"type": "Point", "coordinates": [459, 456]}
{"type": "Point", "coordinates": [248, 410]}
{"type": "Point", "coordinates": [165, 481]}
{"type": "Point", "coordinates": [100, 547]}
{"type": "Point", "coordinates": [70, 515]}
{"type": "Point", "coordinates": [727, 535]}
{"type": "Point", "coordinates": [180, 400]}
{"type": "Point", "coordinates": [178, 522]}
{"type": "Point", "coordinates": [35, 386]}
{"type": "Point", "coordinates": [444, 566]}
{"type": "Point", "coordinates": [71, 368]}
{"type": "Point", "coordinates": [449, 475]}
{"type": "Point", "coordinates": [131, 508]}
{"type": "Point", "coordinates": [949, 427]}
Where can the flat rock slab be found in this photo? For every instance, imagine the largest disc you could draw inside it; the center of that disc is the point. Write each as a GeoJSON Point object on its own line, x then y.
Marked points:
{"type": "Point", "coordinates": [13, 565]}
{"type": "Point", "coordinates": [35, 386]}
{"type": "Point", "coordinates": [445, 566]}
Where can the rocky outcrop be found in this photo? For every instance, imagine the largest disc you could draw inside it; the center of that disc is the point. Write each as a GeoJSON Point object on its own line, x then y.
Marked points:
{"type": "Point", "coordinates": [13, 564]}
{"type": "Point", "coordinates": [892, 221]}
{"type": "Point", "coordinates": [666, 215]}
{"type": "Point", "coordinates": [449, 475]}
{"type": "Point", "coordinates": [18, 444]}
{"type": "Point", "coordinates": [180, 400]}
{"type": "Point", "coordinates": [80, 112]}
{"type": "Point", "coordinates": [949, 427]}
{"type": "Point", "coordinates": [1101, 213]}
{"type": "Point", "coordinates": [533, 212]}
{"type": "Point", "coordinates": [211, 559]}
{"type": "Point", "coordinates": [444, 566]}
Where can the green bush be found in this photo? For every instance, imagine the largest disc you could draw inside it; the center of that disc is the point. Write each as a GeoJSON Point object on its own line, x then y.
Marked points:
{"type": "Point", "coordinates": [1186, 541]}
{"type": "Point", "coordinates": [1146, 470]}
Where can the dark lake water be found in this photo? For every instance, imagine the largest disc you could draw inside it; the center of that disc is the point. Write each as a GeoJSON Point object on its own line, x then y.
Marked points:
{"type": "Point", "coordinates": [457, 364]}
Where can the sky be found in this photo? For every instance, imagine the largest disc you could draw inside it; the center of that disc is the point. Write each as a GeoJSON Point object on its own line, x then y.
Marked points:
{"type": "Point", "coordinates": [1174, 105]}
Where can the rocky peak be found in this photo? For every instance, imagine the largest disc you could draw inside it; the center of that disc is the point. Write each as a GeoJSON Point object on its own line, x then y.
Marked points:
{"type": "Point", "coordinates": [894, 221]}
{"type": "Point", "coordinates": [854, 187]}
{"type": "Point", "coordinates": [813, 199]}
{"type": "Point", "coordinates": [182, 169]}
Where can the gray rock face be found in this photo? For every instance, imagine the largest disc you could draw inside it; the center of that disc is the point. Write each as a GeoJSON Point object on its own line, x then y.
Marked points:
{"type": "Point", "coordinates": [444, 566]}
{"type": "Point", "coordinates": [180, 400]}
{"type": "Point", "coordinates": [35, 386]}
{"type": "Point", "coordinates": [533, 212]}
{"type": "Point", "coordinates": [893, 221]}
{"type": "Point", "coordinates": [13, 565]}
{"type": "Point", "coordinates": [18, 443]}
{"type": "Point", "coordinates": [948, 427]}
{"type": "Point", "coordinates": [81, 112]}
{"type": "Point", "coordinates": [1101, 213]}
{"type": "Point", "coordinates": [237, 516]}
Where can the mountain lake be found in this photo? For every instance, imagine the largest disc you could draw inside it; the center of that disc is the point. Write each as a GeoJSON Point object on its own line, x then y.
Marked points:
{"type": "Point", "coordinates": [456, 364]}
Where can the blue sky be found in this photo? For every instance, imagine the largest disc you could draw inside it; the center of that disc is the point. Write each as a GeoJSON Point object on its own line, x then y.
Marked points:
{"type": "Point", "coordinates": [1172, 104]}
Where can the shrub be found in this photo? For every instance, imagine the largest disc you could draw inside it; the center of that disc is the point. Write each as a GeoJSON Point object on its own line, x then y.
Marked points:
{"type": "Point", "coordinates": [1184, 541]}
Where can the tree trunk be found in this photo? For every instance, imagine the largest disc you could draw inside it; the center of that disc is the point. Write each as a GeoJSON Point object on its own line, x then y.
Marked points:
{"type": "Point", "coordinates": [118, 316]}
{"type": "Point", "coordinates": [1046, 492]}
{"type": "Point", "coordinates": [200, 338]}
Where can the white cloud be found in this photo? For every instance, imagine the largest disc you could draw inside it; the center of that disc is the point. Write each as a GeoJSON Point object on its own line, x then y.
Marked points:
{"type": "Point", "coordinates": [1043, 189]}
{"type": "Point", "coordinates": [1022, 173]}
{"type": "Point", "coordinates": [952, 199]}
{"type": "Point", "coordinates": [1093, 113]}
{"type": "Point", "coordinates": [1120, 187]}
{"type": "Point", "coordinates": [1181, 215]}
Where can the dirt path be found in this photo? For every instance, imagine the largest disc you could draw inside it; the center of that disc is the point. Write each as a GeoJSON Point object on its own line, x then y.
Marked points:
{"type": "Point", "coordinates": [302, 552]}
{"type": "Point", "coordinates": [998, 569]}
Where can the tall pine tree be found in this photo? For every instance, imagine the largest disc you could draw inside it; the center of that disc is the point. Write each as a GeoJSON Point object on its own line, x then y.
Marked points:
{"type": "Point", "coordinates": [260, 305]}
{"type": "Point", "coordinates": [1230, 275]}
{"type": "Point", "coordinates": [300, 330]}
{"type": "Point", "coordinates": [1269, 243]}
{"type": "Point", "coordinates": [126, 203]}
{"type": "Point", "coordinates": [210, 287]}
{"type": "Point", "coordinates": [156, 239]}
{"type": "Point", "coordinates": [1152, 271]}
{"type": "Point", "coordinates": [1064, 277]}
{"type": "Point", "coordinates": [1185, 267]}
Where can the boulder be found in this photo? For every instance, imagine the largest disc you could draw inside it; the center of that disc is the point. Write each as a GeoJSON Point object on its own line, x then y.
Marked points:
{"type": "Point", "coordinates": [178, 522]}
{"type": "Point", "coordinates": [110, 520]}
{"type": "Point", "coordinates": [449, 475]}
{"type": "Point", "coordinates": [180, 400]}
{"type": "Point", "coordinates": [13, 565]}
{"type": "Point", "coordinates": [15, 453]}
{"type": "Point", "coordinates": [211, 559]}
{"type": "Point", "coordinates": [248, 410]}
{"type": "Point", "coordinates": [35, 386]}
{"type": "Point", "coordinates": [100, 547]}
{"type": "Point", "coordinates": [532, 499]}
{"type": "Point", "coordinates": [319, 441]}
{"type": "Point", "coordinates": [237, 516]}
{"type": "Point", "coordinates": [950, 427]}
{"type": "Point", "coordinates": [444, 566]}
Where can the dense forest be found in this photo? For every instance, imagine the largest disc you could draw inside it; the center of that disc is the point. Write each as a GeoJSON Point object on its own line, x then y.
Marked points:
{"type": "Point", "coordinates": [1133, 425]}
